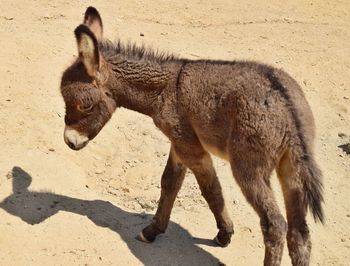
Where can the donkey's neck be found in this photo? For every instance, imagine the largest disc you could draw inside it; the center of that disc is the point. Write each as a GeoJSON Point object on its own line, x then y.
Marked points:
{"type": "Point", "coordinates": [138, 85]}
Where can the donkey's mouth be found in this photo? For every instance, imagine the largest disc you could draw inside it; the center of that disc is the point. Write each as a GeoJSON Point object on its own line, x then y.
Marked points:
{"type": "Point", "coordinates": [77, 147]}
{"type": "Point", "coordinates": [74, 139]}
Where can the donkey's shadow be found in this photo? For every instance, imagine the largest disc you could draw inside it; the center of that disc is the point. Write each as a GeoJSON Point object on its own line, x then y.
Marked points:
{"type": "Point", "coordinates": [177, 248]}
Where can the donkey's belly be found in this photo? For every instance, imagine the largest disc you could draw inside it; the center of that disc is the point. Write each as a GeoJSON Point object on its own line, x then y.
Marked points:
{"type": "Point", "coordinates": [215, 150]}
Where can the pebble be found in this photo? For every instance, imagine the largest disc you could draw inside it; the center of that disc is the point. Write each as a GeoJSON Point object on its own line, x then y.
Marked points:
{"type": "Point", "coordinates": [247, 229]}
{"type": "Point", "coordinates": [125, 189]}
{"type": "Point", "coordinates": [141, 34]}
{"type": "Point", "coordinates": [145, 205]}
{"type": "Point", "coordinates": [346, 148]}
{"type": "Point", "coordinates": [222, 164]}
{"type": "Point", "coordinates": [47, 16]}
{"type": "Point", "coordinates": [188, 208]}
{"type": "Point", "coordinates": [98, 172]}
{"type": "Point", "coordinates": [9, 175]}
{"type": "Point", "coordinates": [342, 135]}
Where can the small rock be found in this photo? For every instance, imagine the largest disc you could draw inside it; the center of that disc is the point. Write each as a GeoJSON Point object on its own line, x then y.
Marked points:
{"type": "Point", "coordinates": [47, 16]}
{"type": "Point", "coordinates": [98, 172]}
{"type": "Point", "coordinates": [222, 164]}
{"type": "Point", "coordinates": [52, 149]}
{"type": "Point", "coordinates": [342, 135]}
{"type": "Point", "coordinates": [145, 205]}
{"type": "Point", "coordinates": [259, 246]}
{"type": "Point", "coordinates": [247, 229]}
{"type": "Point", "coordinates": [141, 34]}
{"type": "Point", "coordinates": [9, 175]}
{"type": "Point", "coordinates": [347, 148]}
{"type": "Point", "coordinates": [125, 189]}
{"type": "Point", "coordinates": [188, 208]}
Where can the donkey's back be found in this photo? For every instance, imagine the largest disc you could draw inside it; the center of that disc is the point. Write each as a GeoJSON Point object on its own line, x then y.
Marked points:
{"type": "Point", "coordinates": [223, 99]}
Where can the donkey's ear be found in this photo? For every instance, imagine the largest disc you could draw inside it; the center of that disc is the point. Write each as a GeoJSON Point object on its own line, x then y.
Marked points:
{"type": "Point", "coordinates": [93, 20]}
{"type": "Point", "coordinates": [88, 50]}
{"type": "Point", "coordinates": [21, 180]}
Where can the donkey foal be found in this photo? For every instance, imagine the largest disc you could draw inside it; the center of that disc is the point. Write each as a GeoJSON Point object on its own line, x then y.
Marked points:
{"type": "Point", "coordinates": [252, 115]}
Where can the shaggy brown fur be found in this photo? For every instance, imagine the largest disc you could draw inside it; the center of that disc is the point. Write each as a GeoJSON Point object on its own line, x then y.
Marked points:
{"type": "Point", "coordinates": [253, 115]}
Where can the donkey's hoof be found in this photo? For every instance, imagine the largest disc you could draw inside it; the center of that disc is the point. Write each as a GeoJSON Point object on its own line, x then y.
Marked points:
{"type": "Point", "coordinates": [223, 239]}
{"type": "Point", "coordinates": [148, 234]}
{"type": "Point", "coordinates": [142, 238]}
{"type": "Point", "coordinates": [217, 241]}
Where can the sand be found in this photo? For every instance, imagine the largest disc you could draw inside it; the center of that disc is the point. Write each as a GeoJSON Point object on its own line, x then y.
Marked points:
{"type": "Point", "coordinates": [60, 207]}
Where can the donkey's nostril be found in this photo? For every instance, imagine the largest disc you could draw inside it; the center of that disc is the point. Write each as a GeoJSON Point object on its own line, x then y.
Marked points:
{"type": "Point", "coordinates": [70, 145]}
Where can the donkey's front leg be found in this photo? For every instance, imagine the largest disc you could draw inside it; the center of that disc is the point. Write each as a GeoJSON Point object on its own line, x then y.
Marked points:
{"type": "Point", "coordinates": [172, 179]}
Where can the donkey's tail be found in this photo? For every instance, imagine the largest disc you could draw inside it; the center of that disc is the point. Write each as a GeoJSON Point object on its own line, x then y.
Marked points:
{"type": "Point", "coordinates": [309, 173]}
{"type": "Point", "coordinates": [313, 188]}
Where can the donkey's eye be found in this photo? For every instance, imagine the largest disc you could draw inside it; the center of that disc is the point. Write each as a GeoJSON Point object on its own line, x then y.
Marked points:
{"type": "Point", "coordinates": [84, 109]}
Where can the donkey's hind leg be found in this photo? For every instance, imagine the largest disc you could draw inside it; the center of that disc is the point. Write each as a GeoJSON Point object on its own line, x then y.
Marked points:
{"type": "Point", "coordinates": [298, 239]}
{"type": "Point", "coordinates": [200, 163]}
{"type": "Point", "coordinates": [171, 182]}
{"type": "Point", "coordinates": [252, 172]}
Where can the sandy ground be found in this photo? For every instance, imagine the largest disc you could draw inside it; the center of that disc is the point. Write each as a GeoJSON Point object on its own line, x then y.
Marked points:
{"type": "Point", "coordinates": [60, 207]}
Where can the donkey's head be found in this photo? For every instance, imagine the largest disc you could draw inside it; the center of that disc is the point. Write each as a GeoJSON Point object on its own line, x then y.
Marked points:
{"type": "Point", "coordinates": [89, 101]}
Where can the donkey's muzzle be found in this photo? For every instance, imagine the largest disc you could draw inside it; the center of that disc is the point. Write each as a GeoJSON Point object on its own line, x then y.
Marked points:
{"type": "Point", "coordinates": [74, 139]}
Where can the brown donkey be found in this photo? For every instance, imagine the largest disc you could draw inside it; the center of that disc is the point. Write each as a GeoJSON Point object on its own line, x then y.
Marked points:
{"type": "Point", "coordinates": [250, 114]}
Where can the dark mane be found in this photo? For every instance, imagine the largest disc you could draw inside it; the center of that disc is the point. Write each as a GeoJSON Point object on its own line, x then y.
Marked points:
{"type": "Point", "coordinates": [133, 51]}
